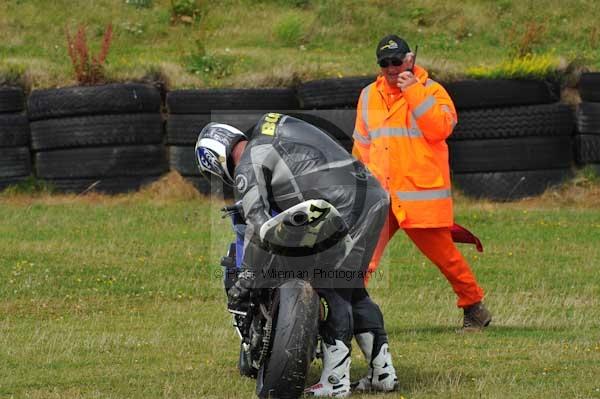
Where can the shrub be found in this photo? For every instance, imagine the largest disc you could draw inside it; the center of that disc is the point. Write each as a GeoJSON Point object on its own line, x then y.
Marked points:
{"type": "Point", "coordinates": [530, 66]}
{"type": "Point", "coordinates": [12, 74]}
{"type": "Point", "coordinates": [186, 11]}
{"type": "Point", "coordinates": [588, 175]}
{"type": "Point", "coordinates": [290, 30]}
{"type": "Point", "coordinates": [204, 64]}
{"type": "Point", "coordinates": [421, 16]}
{"type": "Point", "coordinates": [526, 38]}
{"type": "Point", "coordinates": [89, 70]}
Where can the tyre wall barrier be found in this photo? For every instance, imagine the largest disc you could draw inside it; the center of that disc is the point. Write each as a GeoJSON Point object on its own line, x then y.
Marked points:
{"type": "Point", "coordinates": [332, 93]}
{"type": "Point", "coordinates": [190, 110]}
{"type": "Point", "coordinates": [513, 138]}
{"type": "Point", "coordinates": [587, 138]}
{"type": "Point", "coordinates": [99, 138]}
{"type": "Point", "coordinates": [511, 152]}
{"type": "Point", "coordinates": [182, 131]}
{"type": "Point", "coordinates": [15, 159]}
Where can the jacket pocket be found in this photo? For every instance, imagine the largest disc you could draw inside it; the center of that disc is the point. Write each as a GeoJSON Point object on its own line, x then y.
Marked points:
{"type": "Point", "coordinates": [423, 171]}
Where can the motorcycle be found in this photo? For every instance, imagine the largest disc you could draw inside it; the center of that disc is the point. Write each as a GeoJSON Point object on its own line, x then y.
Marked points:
{"type": "Point", "coordinates": [279, 330]}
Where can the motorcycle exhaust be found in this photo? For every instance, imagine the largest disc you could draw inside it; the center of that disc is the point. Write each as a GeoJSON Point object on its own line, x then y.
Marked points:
{"type": "Point", "coordinates": [298, 219]}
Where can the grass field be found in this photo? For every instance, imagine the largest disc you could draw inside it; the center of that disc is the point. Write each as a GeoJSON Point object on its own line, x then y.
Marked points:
{"type": "Point", "coordinates": [249, 43]}
{"type": "Point", "coordinates": [120, 298]}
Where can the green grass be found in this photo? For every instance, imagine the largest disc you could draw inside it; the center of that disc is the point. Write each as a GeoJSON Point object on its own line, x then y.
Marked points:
{"type": "Point", "coordinates": [120, 298]}
{"type": "Point", "coordinates": [277, 42]}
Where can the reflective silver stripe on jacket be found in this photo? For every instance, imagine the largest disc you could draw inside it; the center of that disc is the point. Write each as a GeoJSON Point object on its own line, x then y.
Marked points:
{"type": "Point", "coordinates": [395, 132]}
{"type": "Point", "coordinates": [447, 109]}
{"type": "Point", "coordinates": [425, 106]}
{"type": "Point", "coordinates": [424, 195]}
{"type": "Point", "coordinates": [360, 138]}
{"type": "Point", "coordinates": [413, 122]}
{"type": "Point", "coordinates": [365, 106]}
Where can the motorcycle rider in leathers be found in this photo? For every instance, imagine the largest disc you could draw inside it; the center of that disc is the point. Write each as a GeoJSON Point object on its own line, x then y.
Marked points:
{"type": "Point", "coordinates": [285, 162]}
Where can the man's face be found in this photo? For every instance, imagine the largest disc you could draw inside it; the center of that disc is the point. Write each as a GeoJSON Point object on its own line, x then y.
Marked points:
{"type": "Point", "coordinates": [393, 66]}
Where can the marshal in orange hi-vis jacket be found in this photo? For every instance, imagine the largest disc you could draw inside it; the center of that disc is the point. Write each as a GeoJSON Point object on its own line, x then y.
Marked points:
{"type": "Point", "coordinates": [402, 122]}
{"type": "Point", "coordinates": [401, 138]}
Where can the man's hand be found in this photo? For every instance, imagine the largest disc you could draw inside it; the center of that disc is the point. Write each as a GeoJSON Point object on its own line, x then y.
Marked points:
{"type": "Point", "coordinates": [406, 79]}
{"type": "Point", "coordinates": [239, 294]}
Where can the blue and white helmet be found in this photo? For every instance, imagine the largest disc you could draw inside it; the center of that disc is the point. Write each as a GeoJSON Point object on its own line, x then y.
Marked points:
{"type": "Point", "coordinates": [213, 150]}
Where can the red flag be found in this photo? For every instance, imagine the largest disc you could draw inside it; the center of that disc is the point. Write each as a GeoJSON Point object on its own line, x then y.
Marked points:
{"type": "Point", "coordinates": [462, 235]}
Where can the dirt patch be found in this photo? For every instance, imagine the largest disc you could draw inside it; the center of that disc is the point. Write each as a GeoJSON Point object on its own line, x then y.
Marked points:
{"type": "Point", "coordinates": [169, 188]}
{"type": "Point", "coordinates": [581, 192]}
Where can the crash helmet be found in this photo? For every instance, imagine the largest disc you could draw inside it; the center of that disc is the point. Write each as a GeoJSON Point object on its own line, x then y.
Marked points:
{"type": "Point", "coordinates": [213, 150]}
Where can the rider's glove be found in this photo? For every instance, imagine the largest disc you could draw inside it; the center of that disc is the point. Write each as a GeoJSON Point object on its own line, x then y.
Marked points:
{"type": "Point", "coordinates": [239, 294]}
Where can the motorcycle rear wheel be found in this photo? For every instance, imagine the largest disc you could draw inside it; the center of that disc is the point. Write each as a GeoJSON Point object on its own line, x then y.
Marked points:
{"type": "Point", "coordinates": [283, 375]}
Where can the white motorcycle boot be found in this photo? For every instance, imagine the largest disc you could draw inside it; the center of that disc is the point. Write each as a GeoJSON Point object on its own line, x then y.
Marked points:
{"type": "Point", "coordinates": [382, 375]}
{"type": "Point", "coordinates": [335, 378]}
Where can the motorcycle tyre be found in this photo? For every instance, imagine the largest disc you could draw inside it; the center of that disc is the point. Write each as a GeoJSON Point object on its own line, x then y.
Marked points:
{"type": "Point", "coordinates": [283, 375]}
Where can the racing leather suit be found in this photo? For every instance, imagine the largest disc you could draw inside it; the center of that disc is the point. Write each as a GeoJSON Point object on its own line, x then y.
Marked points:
{"type": "Point", "coordinates": [288, 161]}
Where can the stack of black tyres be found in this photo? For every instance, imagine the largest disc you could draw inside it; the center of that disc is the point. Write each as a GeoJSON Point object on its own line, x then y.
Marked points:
{"type": "Point", "coordinates": [15, 159]}
{"type": "Point", "coordinates": [330, 104]}
{"type": "Point", "coordinates": [513, 139]}
{"type": "Point", "coordinates": [105, 138]}
{"type": "Point", "coordinates": [191, 110]}
{"type": "Point", "coordinates": [587, 140]}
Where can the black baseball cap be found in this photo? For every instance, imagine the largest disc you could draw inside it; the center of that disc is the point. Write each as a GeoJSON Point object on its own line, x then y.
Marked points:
{"type": "Point", "coordinates": [391, 46]}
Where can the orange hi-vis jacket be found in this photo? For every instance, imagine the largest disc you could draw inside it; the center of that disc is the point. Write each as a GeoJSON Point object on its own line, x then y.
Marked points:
{"type": "Point", "coordinates": [401, 137]}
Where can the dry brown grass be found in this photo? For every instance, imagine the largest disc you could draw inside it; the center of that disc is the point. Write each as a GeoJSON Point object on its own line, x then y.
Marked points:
{"type": "Point", "coordinates": [169, 188]}
{"type": "Point", "coordinates": [34, 73]}
{"type": "Point", "coordinates": [174, 75]}
{"type": "Point", "coordinates": [579, 193]}
{"type": "Point", "coordinates": [286, 75]}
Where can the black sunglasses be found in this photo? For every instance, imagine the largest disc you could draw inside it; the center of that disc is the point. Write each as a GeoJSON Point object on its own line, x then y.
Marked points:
{"type": "Point", "coordinates": [395, 61]}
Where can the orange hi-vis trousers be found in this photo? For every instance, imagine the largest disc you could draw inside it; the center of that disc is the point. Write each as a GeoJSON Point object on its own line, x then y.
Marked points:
{"type": "Point", "coordinates": [437, 245]}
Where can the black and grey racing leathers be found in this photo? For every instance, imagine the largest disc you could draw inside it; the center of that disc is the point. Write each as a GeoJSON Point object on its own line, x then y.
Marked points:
{"type": "Point", "coordinates": [288, 161]}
